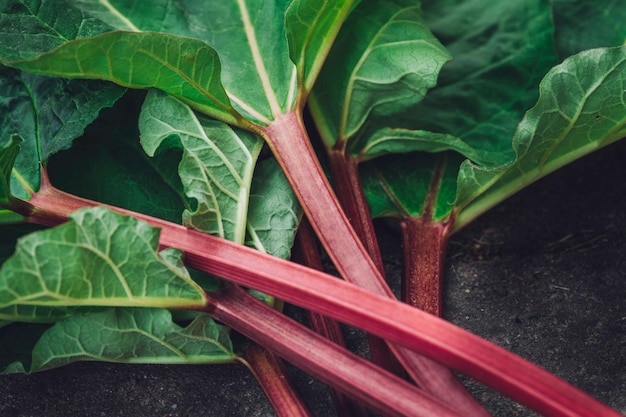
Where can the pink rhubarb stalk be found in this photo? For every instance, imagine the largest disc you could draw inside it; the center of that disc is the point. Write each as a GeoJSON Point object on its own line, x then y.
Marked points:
{"type": "Point", "coordinates": [292, 148]}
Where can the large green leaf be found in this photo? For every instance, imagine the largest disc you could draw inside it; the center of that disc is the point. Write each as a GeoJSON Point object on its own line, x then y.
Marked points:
{"type": "Point", "coordinates": [312, 26]}
{"type": "Point", "coordinates": [587, 24]}
{"type": "Point", "coordinates": [250, 39]}
{"type": "Point", "coordinates": [582, 107]}
{"type": "Point", "coordinates": [48, 113]}
{"type": "Point", "coordinates": [216, 167]}
{"type": "Point", "coordinates": [186, 68]}
{"type": "Point", "coordinates": [385, 59]}
{"type": "Point", "coordinates": [99, 258]}
{"type": "Point", "coordinates": [249, 36]}
{"type": "Point", "coordinates": [501, 50]}
{"type": "Point", "coordinates": [132, 335]}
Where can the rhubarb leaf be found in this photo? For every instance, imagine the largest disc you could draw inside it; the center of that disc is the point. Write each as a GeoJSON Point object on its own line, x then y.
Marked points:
{"type": "Point", "coordinates": [384, 60]}
{"type": "Point", "coordinates": [250, 38]}
{"type": "Point", "coordinates": [312, 26]}
{"type": "Point", "coordinates": [587, 24]}
{"type": "Point", "coordinates": [500, 50]}
{"type": "Point", "coordinates": [499, 56]}
{"type": "Point", "coordinates": [48, 114]}
{"type": "Point", "coordinates": [172, 47]}
{"type": "Point", "coordinates": [581, 108]}
{"type": "Point", "coordinates": [216, 167]}
{"type": "Point", "coordinates": [132, 335]}
{"type": "Point", "coordinates": [107, 260]}
{"type": "Point", "coordinates": [183, 67]}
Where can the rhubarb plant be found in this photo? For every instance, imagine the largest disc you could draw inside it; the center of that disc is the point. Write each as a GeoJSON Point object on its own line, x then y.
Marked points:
{"type": "Point", "coordinates": [434, 165]}
{"type": "Point", "coordinates": [225, 80]}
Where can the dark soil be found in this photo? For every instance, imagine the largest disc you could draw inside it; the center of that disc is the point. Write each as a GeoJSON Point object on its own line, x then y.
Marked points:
{"type": "Point", "coordinates": [541, 275]}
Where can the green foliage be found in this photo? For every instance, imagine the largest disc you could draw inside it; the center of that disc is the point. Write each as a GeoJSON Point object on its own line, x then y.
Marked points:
{"type": "Point", "coordinates": [384, 60]}
{"type": "Point", "coordinates": [581, 108]}
{"type": "Point", "coordinates": [132, 335]}
{"type": "Point", "coordinates": [216, 166]}
{"type": "Point", "coordinates": [476, 108]}
{"type": "Point", "coordinates": [102, 259]}
{"type": "Point", "coordinates": [312, 26]}
{"type": "Point", "coordinates": [429, 96]}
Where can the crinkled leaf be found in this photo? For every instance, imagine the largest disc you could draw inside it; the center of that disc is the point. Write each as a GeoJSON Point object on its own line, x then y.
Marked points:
{"type": "Point", "coordinates": [99, 258]}
{"type": "Point", "coordinates": [500, 50]}
{"type": "Point", "coordinates": [48, 113]}
{"type": "Point", "coordinates": [274, 212]}
{"type": "Point", "coordinates": [588, 24]}
{"type": "Point", "coordinates": [32, 313]}
{"type": "Point", "coordinates": [582, 107]}
{"type": "Point", "coordinates": [312, 26]}
{"type": "Point", "coordinates": [132, 335]}
{"type": "Point", "coordinates": [217, 164]}
{"type": "Point", "coordinates": [30, 28]}
{"type": "Point", "coordinates": [385, 59]}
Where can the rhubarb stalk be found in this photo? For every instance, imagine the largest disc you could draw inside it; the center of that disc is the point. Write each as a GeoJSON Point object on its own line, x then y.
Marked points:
{"type": "Point", "coordinates": [292, 148]}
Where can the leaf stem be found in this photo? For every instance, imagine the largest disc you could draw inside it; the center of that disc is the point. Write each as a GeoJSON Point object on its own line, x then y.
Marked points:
{"type": "Point", "coordinates": [330, 363]}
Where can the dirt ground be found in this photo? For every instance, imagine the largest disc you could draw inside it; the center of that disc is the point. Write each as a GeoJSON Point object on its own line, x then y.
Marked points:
{"type": "Point", "coordinates": [541, 275]}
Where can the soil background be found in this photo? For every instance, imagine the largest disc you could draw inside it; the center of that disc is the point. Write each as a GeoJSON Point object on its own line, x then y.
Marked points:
{"type": "Point", "coordinates": [542, 275]}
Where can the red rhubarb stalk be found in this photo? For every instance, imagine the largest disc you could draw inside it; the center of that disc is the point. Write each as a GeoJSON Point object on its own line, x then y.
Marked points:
{"type": "Point", "coordinates": [358, 378]}
{"type": "Point", "coordinates": [292, 148]}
